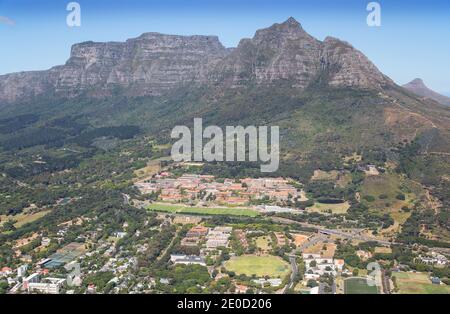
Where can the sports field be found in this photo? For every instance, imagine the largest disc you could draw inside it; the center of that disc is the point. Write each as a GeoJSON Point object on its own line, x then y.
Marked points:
{"type": "Point", "coordinates": [358, 286]}
{"type": "Point", "coordinates": [418, 283]}
{"type": "Point", "coordinates": [267, 265]}
{"type": "Point", "coordinates": [171, 208]}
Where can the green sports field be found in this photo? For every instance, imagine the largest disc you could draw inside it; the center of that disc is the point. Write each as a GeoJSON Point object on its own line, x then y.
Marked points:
{"type": "Point", "coordinates": [418, 283]}
{"type": "Point", "coordinates": [266, 265]}
{"type": "Point", "coordinates": [171, 208]}
{"type": "Point", "coordinates": [358, 286]}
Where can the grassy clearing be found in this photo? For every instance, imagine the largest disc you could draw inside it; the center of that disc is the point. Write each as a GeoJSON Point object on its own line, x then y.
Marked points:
{"type": "Point", "coordinates": [335, 208]}
{"type": "Point", "coordinates": [171, 208]}
{"type": "Point", "coordinates": [384, 189]}
{"type": "Point", "coordinates": [149, 170]}
{"type": "Point", "coordinates": [23, 218]}
{"type": "Point", "coordinates": [267, 265]}
{"type": "Point", "coordinates": [263, 243]}
{"type": "Point", "coordinates": [383, 250]}
{"type": "Point", "coordinates": [385, 184]}
{"type": "Point", "coordinates": [418, 283]}
{"type": "Point", "coordinates": [400, 217]}
{"type": "Point", "coordinates": [344, 180]}
{"type": "Point", "coordinates": [320, 175]}
{"type": "Point", "coordinates": [160, 147]}
{"type": "Point", "coordinates": [359, 286]}
{"type": "Point", "coordinates": [327, 250]}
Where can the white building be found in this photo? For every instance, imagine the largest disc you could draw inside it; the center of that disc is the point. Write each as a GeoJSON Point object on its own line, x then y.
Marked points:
{"type": "Point", "coordinates": [273, 282]}
{"type": "Point", "coordinates": [21, 270]}
{"type": "Point", "coordinates": [434, 259]}
{"type": "Point", "coordinates": [274, 209]}
{"type": "Point", "coordinates": [187, 259]}
{"type": "Point", "coordinates": [317, 266]}
{"type": "Point", "coordinates": [119, 234]}
{"type": "Point", "coordinates": [45, 241]}
{"type": "Point", "coordinates": [218, 237]}
{"type": "Point", "coordinates": [310, 275]}
{"type": "Point", "coordinates": [47, 285]}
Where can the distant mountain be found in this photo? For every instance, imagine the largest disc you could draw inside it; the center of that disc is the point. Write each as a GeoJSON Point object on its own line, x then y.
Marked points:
{"type": "Point", "coordinates": [153, 64]}
{"type": "Point", "coordinates": [418, 87]}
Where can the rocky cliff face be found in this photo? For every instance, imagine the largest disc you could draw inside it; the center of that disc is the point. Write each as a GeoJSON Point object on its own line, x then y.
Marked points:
{"type": "Point", "coordinates": [286, 52]}
{"type": "Point", "coordinates": [350, 67]}
{"type": "Point", "coordinates": [281, 52]}
{"type": "Point", "coordinates": [151, 64]}
{"type": "Point", "coordinates": [155, 63]}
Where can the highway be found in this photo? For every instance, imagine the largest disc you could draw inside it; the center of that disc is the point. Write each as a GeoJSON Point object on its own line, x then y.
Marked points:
{"type": "Point", "coordinates": [346, 235]}
{"type": "Point", "coordinates": [355, 235]}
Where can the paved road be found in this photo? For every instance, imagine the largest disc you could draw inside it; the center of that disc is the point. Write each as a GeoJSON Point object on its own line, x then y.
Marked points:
{"type": "Point", "coordinates": [163, 253]}
{"type": "Point", "coordinates": [311, 242]}
{"type": "Point", "coordinates": [355, 236]}
{"type": "Point", "coordinates": [294, 273]}
{"type": "Point", "coordinates": [347, 235]}
{"type": "Point", "coordinates": [16, 288]}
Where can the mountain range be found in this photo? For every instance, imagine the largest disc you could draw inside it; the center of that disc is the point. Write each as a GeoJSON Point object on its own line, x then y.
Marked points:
{"type": "Point", "coordinates": [154, 63]}
{"type": "Point", "coordinates": [328, 98]}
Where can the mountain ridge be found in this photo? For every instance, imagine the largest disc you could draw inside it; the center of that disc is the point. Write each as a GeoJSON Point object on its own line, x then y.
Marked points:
{"type": "Point", "coordinates": [153, 63]}
{"type": "Point", "coordinates": [328, 99]}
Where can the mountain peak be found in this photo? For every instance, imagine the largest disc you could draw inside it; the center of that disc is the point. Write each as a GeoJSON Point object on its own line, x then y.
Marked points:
{"type": "Point", "coordinates": [292, 22]}
{"type": "Point", "coordinates": [415, 85]}
{"type": "Point", "coordinates": [418, 87]}
{"type": "Point", "coordinates": [289, 28]}
{"type": "Point", "coordinates": [417, 82]}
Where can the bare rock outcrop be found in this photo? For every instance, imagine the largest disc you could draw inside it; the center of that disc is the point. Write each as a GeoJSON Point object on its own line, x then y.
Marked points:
{"type": "Point", "coordinates": [154, 63]}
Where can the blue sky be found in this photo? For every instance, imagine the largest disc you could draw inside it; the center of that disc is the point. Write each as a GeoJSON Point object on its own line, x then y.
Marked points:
{"type": "Point", "coordinates": [413, 40]}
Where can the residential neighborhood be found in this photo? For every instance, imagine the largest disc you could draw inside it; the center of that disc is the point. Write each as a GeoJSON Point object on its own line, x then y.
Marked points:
{"type": "Point", "coordinates": [247, 235]}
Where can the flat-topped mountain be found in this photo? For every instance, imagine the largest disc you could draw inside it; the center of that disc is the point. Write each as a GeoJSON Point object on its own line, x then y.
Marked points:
{"type": "Point", "coordinates": [154, 63]}
{"type": "Point", "coordinates": [281, 75]}
{"type": "Point", "coordinates": [418, 87]}
{"type": "Point", "coordinates": [329, 101]}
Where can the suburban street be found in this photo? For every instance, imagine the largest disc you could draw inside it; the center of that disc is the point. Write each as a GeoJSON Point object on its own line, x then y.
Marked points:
{"type": "Point", "coordinates": [294, 267]}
